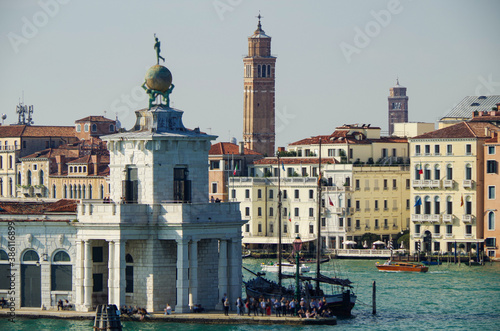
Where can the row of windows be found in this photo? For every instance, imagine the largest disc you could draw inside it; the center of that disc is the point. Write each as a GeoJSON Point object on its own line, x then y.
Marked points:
{"type": "Point", "coordinates": [376, 206]}
{"type": "Point", "coordinates": [448, 227]}
{"type": "Point", "coordinates": [296, 194]}
{"type": "Point", "coordinates": [426, 172]}
{"type": "Point", "coordinates": [376, 223]}
{"type": "Point", "coordinates": [285, 228]}
{"type": "Point", "coordinates": [426, 205]}
{"type": "Point", "coordinates": [11, 162]}
{"type": "Point", "coordinates": [437, 149]}
{"type": "Point", "coordinates": [376, 186]}
{"type": "Point", "coordinates": [77, 169]}
{"type": "Point", "coordinates": [78, 191]}
{"type": "Point", "coordinates": [93, 128]}
{"type": "Point", "coordinates": [263, 70]}
{"type": "Point", "coordinates": [296, 212]}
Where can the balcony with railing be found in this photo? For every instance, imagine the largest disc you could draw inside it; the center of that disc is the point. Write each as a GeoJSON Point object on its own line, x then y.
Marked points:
{"type": "Point", "coordinates": [436, 235]}
{"type": "Point", "coordinates": [468, 219]}
{"type": "Point", "coordinates": [448, 183]}
{"type": "Point", "coordinates": [448, 218]}
{"type": "Point", "coordinates": [432, 218]}
{"type": "Point", "coordinates": [467, 183]}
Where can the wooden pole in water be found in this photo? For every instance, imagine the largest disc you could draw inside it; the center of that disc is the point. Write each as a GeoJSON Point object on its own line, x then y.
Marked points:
{"type": "Point", "coordinates": [374, 298]}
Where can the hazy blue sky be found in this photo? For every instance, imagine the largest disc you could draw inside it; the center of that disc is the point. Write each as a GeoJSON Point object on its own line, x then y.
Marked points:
{"type": "Point", "coordinates": [80, 58]}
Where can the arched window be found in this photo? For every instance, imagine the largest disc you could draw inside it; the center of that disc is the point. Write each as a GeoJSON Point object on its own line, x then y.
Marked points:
{"type": "Point", "coordinates": [10, 162]}
{"type": "Point", "coordinates": [54, 194]}
{"type": "Point", "coordinates": [418, 205]}
{"type": "Point", "coordinates": [94, 128]}
{"type": "Point", "coordinates": [84, 168]}
{"type": "Point", "coordinates": [449, 205]}
{"type": "Point", "coordinates": [62, 272]}
{"type": "Point", "coordinates": [437, 172]}
{"type": "Point", "coordinates": [449, 172]}
{"type": "Point", "coordinates": [129, 274]}
{"type": "Point", "coordinates": [71, 191]}
{"type": "Point", "coordinates": [436, 205]}
{"type": "Point", "coordinates": [10, 187]}
{"type": "Point", "coordinates": [65, 191]}
{"type": "Point", "coordinates": [101, 192]}
{"type": "Point", "coordinates": [1, 162]}
{"type": "Point", "coordinates": [111, 128]}
{"type": "Point", "coordinates": [84, 192]}
{"type": "Point", "coordinates": [90, 191]}
{"type": "Point", "coordinates": [491, 221]}
{"type": "Point", "coordinates": [417, 171]}
{"type": "Point", "coordinates": [79, 191]}
{"type": "Point", "coordinates": [40, 177]}
{"type": "Point", "coordinates": [1, 187]}
{"type": "Point", "coordinates": [86, 128]}
{"type": "Point", "coordinates": [75, 192]}
{"type": "Point", "coordinates": [259, 71]}
{"type": "Point", "coordinates": [271, 227]}
{"type": "Point", "coordinates": [468, 206]}
{"type": "Point", "coordinates": [427, 205]}
{"type": "Point", "coordinates": [31, 256]}
{"type": "Point", "coordinates": [468, 172]}
{"type": "Point", "coordinates": [268, 70]}
{"type": "Point", "coordinates": [4, 271]}
{"type": "Point", "coordinates": [296, 227]}
{"type": "Point", "coordinates": [259, 211]}
{"type": "Point", "coordinates": [78, 128]}
{"type": "Point", "coordinates": [28, 177]}
{"type": "Point", "coordinates": [427, 172]}
{"type": "Point", "coordinates": [79, 169]}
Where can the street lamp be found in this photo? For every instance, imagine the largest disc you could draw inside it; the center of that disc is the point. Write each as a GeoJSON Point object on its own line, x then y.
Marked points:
{"type": "Point", "coordinates": [297, 246]}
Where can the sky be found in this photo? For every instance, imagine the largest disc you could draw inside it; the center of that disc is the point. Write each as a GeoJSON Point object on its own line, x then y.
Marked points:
{"type": "Point", "coordinates": [336, 60]}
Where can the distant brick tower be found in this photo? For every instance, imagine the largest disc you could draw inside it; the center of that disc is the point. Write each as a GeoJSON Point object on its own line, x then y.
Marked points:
{"type": "Point", "coordinates": [398, 106]}
{"type": "Point", "coordinates": [258, 110]}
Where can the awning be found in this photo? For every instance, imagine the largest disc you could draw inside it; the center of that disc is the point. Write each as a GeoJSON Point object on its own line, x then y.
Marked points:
{"type": "Point", "coordinates": [271, 240]}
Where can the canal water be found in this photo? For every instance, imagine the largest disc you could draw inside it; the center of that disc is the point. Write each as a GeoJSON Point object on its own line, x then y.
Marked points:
{"type": "Point", "coordinates": [447, 297]}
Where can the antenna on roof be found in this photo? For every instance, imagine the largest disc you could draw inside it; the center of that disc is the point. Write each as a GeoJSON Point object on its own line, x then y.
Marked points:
{"type": "Point", "coordinates": [24, 112]}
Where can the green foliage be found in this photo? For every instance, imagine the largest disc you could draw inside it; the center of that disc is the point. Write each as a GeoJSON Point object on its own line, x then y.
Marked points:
{"type": "Point", "coordinates": [268, 174]}
{"type": "Point", "coordinates": [287, 153]}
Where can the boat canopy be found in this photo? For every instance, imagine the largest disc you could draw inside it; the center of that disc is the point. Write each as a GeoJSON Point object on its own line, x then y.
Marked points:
{"type": "Point", "coordinates": [323, 279]}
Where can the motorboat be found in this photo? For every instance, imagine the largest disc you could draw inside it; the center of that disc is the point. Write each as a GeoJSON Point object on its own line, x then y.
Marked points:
{"type": "Point", "coordinates": [286, 268]}
{"type": "Point", "coordinates": [391, 266]}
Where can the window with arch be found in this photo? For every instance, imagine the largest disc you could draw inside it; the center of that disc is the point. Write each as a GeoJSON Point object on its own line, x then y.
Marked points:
{"type": "Point", "coordinates": [437, 205]}
{"type": "Point", "coordinates": [31, 256]}
{"type": "Point", "coordinates": [259, 211]}
{"type": "Point", "coordinates": [427, 172]}
{"type": "Point", "coordinates": [84, 168]}
{"type": "Point", "coordinates": [94, 128]}
{"type": "Point", "coordinates": [79, 191]}
{"type": "Point", "coordinates": [78, 128]}
{"type": "Point", "coordinates": [271, 211]}
{"type": "Point", "coordinates": [70, 191]}
{"type": "Point", "coordinates": [62, 272]}
{"type": "Point", "coordinates": [468, 172]}
{"type": "Point", "coordinates": [259, 71]}
{"type": "Point", "coordinates": [10, 162]}
{"type": "Point", "coordinates": [271, 227]}
{"type": "Point", "coordinates": [90, 191]}
{"type": "Point", "coordinates": [75, 192]}
{"type": "Point", "coordinates": [111, 128]}
{"type": "Point", "coordinates": [311, 228]}
{"type": "Point", "coordinates": [449, 205]}
{"type": "Point", "coordinates": [84, 192]}
{"type": "Point", "coordinates": [10, 187]}
{"type": "Point", "coordinates": [437, 172]}
{"type": "Point", "coordinates": [427, 205]}
{"type": "Point", "coordinates": [259, 227]}
{"type": "Point", "coordinates": [65, 191]}
{"type": "Point", "coordinates": [4, 271]}
{"type": "Point", "coordinates": [1, 162]}
{"type": "Point", "coordinates": [491, 221]}
{"type": "Point", "coordinates": [54, 194]}
{"type": "Point", "coordinates": [28, 177]}
{"type": "Point", "coordinates": [86, 128]}
{"type": "Point", "coordinates": [468, 206]}
{"type": "Point", "coordinates": [417, 172]}
{"type": "Point", "coordinates": [40, 177]}
{"type": "Point", "coordinates": [101, 192]}
{"type": "Point", "coordinates": [449, 172]}
{"type": "Point", "coordinates": [19, 177]}
{"type": "Point", "coordinates": [129, 274]}
{"type": "Point", "coordinates": [1, 187]}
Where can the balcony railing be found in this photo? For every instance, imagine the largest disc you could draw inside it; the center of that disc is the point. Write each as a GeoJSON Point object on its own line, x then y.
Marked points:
{"type": "Point", "coordinates": [467, 219]}
{"type": "Point", "coordinates": [433, 218]}
{"type": "Point", "coordinates": [448, 218]}
{"type": "Point", "coordinates": [448, 183]}
{"type": "Point", "coordinates": [436, 235]}
{"type": "Point", "coordinates": [467, 183]}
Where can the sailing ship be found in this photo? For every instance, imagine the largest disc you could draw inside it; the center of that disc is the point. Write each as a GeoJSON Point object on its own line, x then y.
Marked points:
{"type": "Point", "coordinates": [341, 298]}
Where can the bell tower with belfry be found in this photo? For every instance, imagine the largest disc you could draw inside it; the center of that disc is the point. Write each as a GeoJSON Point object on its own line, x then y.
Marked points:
{"type": "Point", "coordinates": [398, 106]}
{"type": "Point", "coordinates": [258, 95]}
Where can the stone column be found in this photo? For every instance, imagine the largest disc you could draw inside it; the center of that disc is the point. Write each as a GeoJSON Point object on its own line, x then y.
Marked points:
{"type": "Point", "coordinates": [79, 265]}
{"type": "Point", "coordinates": [337, 242]}
{"type": "Point", "coordinates": [119, 282]}
{"type": "Point", "coordinates": [111, 257]}
{"type": "Point", "coordinates": [222, 272]}
{"type": "Point", "coordinates": [193, 273]}
{"type": "Point", "coordinates": [182, 276]}
{"type": "Point", "coordinates": [234, 269]}
{"type": "Point", "coordinates": [88, 282]}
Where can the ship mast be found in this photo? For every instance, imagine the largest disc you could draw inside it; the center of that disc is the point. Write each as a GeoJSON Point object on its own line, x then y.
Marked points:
{"type": "Point", "coordinates": [318, 239]}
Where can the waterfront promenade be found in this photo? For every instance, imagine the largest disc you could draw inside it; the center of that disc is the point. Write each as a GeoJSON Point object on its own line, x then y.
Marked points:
{"type": "Point", "coordinates": [214, 317]}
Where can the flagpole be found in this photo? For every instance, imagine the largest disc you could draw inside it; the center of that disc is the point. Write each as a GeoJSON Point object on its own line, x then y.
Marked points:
{"type": "Point", "coordinates": [279, 221]}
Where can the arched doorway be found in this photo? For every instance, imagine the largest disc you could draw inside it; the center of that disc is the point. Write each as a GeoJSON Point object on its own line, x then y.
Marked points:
{"type": "Point", "coordinates": [427, 241]}
{"type": "Point", "coordinates": [31, 280]}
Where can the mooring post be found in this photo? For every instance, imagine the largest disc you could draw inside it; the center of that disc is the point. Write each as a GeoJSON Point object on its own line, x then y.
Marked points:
{"type": "Point", "coordinates": [374, 298]}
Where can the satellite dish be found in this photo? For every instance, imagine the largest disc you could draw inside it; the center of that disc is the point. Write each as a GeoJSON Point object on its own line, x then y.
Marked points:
{"type": "Point", "coordinates": [4, 116]}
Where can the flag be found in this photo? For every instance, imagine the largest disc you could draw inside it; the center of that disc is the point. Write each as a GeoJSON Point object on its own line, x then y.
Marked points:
{"type": "Point", "coordinates": [282, 166]}
{"type": "Point", "coordinates": [418, 202]}
{"type": "Point", "coordinates": [289, 217]}
{"type": "Point", "coordinates": [319, 178]}
{"type": "Point", "coordinates": [330, 200]}
{"type": "Point", "coordinates": [462, 201]}
{"type": "Point", "coordinates": [420, 170]}
{"type": "Point", "coordinates": [235, 169]}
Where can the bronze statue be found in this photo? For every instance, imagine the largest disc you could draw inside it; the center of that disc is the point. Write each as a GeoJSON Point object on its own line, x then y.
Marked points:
{"type": "Point", "coordinates": [157, 48]}
{"type": "Point", "coordinates": [154, 93]}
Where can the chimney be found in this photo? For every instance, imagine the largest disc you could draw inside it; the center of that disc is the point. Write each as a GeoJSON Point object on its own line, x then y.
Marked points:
{"type": "Point", "coordinates": [242, 148]}
{"type": "Point", "coordinates": [498, 106]}
{"type": "Point", "coordinates": [60, 160]}
{"type": "Point", "coordinates": [96, 160]}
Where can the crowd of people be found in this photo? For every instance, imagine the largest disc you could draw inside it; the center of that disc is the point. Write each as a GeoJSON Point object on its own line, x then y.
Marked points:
{"type": "Point", "coordinates": [283, 307]}
{"type": "Point", "coordinates": [129, 311]}
{"type": "Point", "coordinates": [64, 305]}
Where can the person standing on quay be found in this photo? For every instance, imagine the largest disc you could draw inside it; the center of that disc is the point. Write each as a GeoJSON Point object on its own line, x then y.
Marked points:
{"type": "Point", "coordinates": [239, 306]}
{"type": "Point", "coordinates": [226, 307]}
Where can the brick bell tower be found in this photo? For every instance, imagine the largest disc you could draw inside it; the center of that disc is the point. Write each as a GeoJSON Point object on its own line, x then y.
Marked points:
{"type": "Point", "coordinates": [258, 95]}
{"type": "Point", "coordinates": [398, 106]}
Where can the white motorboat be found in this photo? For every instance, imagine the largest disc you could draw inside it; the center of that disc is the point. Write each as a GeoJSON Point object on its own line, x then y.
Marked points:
{"type": "Point", "coordinates": [286, 268]}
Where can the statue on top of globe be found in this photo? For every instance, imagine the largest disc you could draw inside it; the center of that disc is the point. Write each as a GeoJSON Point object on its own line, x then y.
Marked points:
{"type": "Point", "coordinates": [158, 80]}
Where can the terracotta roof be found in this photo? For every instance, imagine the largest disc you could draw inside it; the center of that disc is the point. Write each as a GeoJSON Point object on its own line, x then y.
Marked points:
{"type": "Point", "coordinates": [344, 137]}
{"type": "Point", "coordinates": [36, 131]}
{"type": "Point", "coordinates": [294, 160]}
{"type": "Point", "coordinates": [460, 130]}
{"type": "Point", "coordinates": [229, 148]}
{"type": "Point", "coordinates": [37, 207]}
{"type": "Point", "coordinates": [82, 160]}
{"type": "Point", "coordinates": [94, 119]}
{"type": "Point", "coordinates": [53, 152]}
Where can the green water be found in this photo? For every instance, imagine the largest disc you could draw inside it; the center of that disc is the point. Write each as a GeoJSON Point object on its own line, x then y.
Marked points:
{"type": "Point", "coordinates": [447, 297]}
